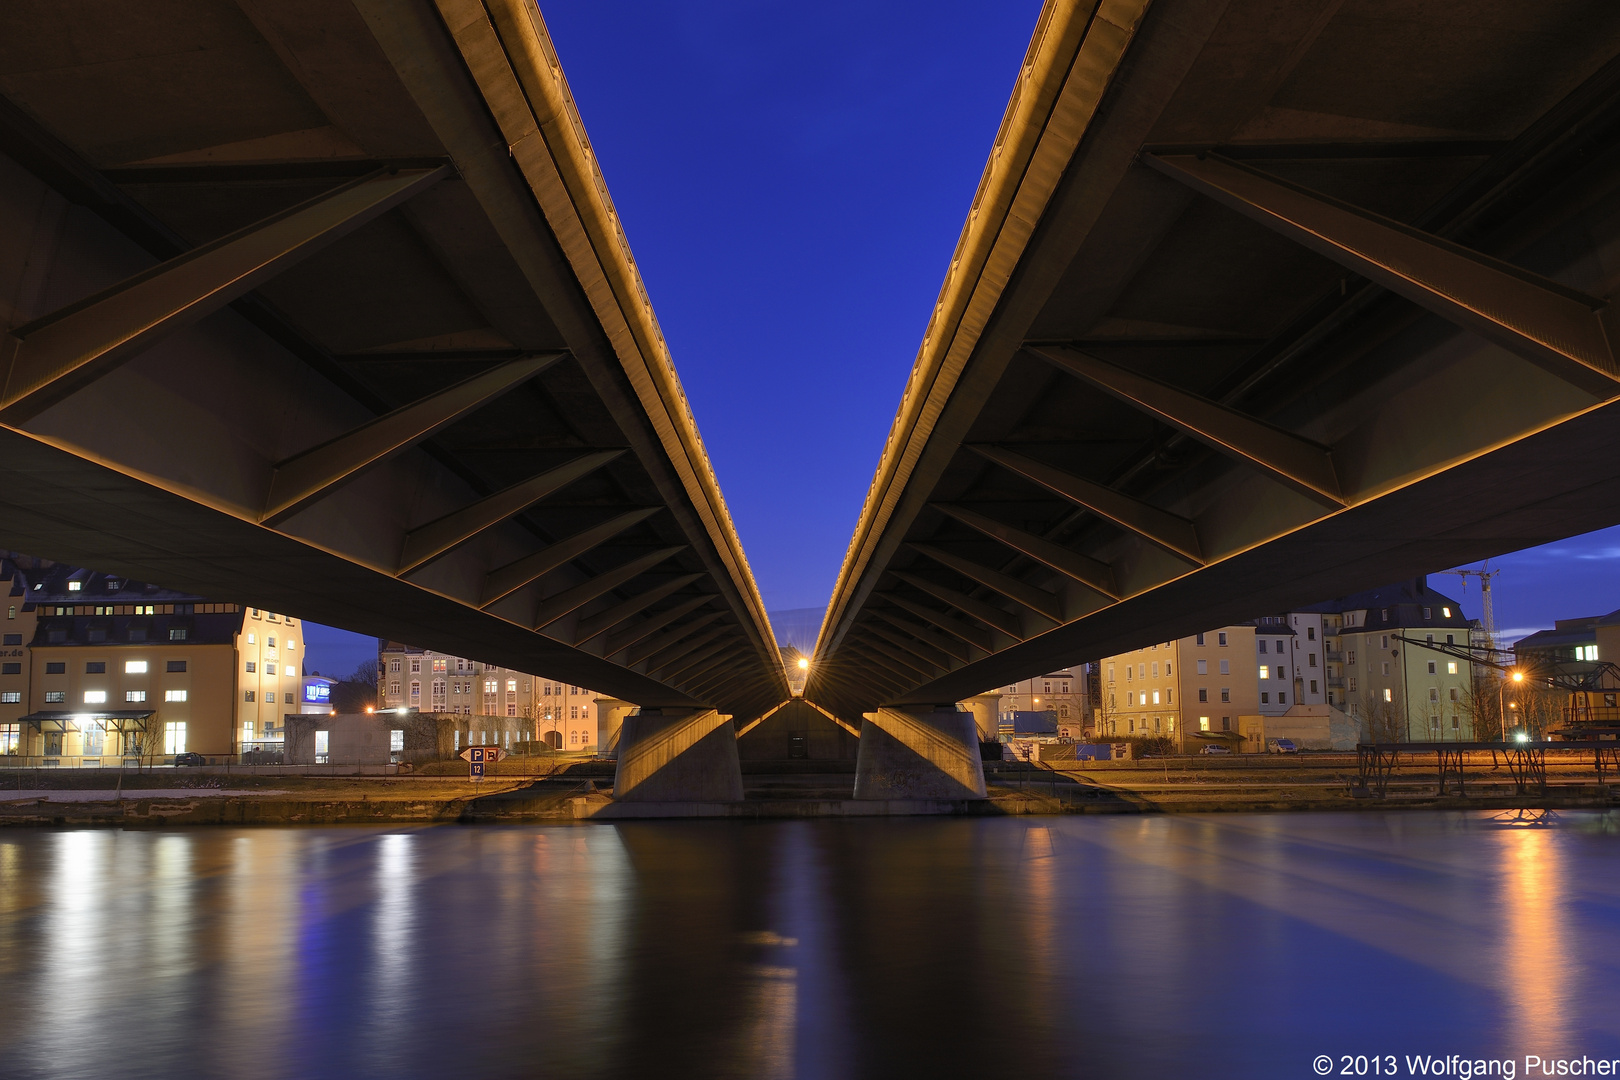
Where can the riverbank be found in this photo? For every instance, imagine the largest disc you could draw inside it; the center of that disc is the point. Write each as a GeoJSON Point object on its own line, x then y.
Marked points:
{"type": "Point", "coordinates": [580, 793]}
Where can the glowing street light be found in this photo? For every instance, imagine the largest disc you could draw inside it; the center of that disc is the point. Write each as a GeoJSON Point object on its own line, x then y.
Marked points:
{"type": "Point", "coordinates": [804, 663]}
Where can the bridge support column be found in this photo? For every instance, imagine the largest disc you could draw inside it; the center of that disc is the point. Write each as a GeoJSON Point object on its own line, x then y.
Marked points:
{"type": "Point", "coordinates": [678, 756]}
{"type": "Point", "coordinates": [927, 754]}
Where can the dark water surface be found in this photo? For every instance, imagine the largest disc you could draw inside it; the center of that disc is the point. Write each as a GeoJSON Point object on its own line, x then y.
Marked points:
{"type": "Point", "coordinates": [1195, 946]}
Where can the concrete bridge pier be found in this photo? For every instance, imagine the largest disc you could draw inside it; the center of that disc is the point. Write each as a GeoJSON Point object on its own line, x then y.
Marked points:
{"type": "Point", "coordinates": [678, 755]}
{"type": "Point", "coordinates": [929, 753]}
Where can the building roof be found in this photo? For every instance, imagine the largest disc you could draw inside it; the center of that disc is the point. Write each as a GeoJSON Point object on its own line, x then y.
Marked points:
{"type": "Point", "coordinates": [1403, 602]}
{"type": "Point", "coordinates": [47, 585]}
{"type": "Point", "coordinates": [1565, 633]}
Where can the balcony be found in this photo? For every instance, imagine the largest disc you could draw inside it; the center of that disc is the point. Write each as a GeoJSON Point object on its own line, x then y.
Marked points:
{"type": "Point", "coordinates": [1334, 657]}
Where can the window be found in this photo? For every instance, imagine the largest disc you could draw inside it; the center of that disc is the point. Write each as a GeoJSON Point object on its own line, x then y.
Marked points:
{"type": "Point", "coordinates": [1203, 723]}
{"type": "Point", "coordinates": [1265, 672]}
{"type": "Point", "coordinates": [13, 639]}
{"type": "Point", "coordinates": [1350, 657]}
{"type": "Point", "coordinates": [251, 639]}
{"type": "Point", "coordinates": [396, 741]}
{"type": "Point", "coordinates": [439, 665]}
{"type": "Point", "coordinates": [177, 633]}
{"type": "Point", "coordinates": [1203, 693]}
{"type": "Point", "coordinates": [1265, 698]}
{"type": "Point", "coordinates": [269, 642]}
{"type": "Point", "coordinates": [1313, 686]}
{"type": "Point", "coordinates": [1169, 697]}
{"type": "Point", "coordinates": [75, 586]}
{"type": "Point", "coordinates": [95, 667]}
{"type": "Point", "coordinates": [1383, 614]}
{"type": "Point", "coordinates": [1226, 667]}
{"type": "Point", "coordinates": [1130, 672]}
{"type": "Point", "coordinates": [252, 667]}
{"type": "Point", "coordinates": [134, 695]}
{"type": "Point", "coordinates": [1383, 641]}
{"type": "Point", "coordinates": [134, 667]}
{"type": "Point", "coordinates": [270, 697]}
{"type": "Point", "coordinates": [1155, 697]}
{"type": "Point", "coordinates": [10, 736]}
{"type": "Point", "coordinates": [1451, 667]}
{"type": "Point", "coordinates": [1203, 667]}
{"type": "Point", "coordinates": [1451, 639]}
{"type": "Point", "coordinates": [1389, 695]}
{"type": "Point", "coordinates": [393, 665]}
{"type": "Point", "coordinates": [54, 696]}
{"type": "Point", "coordinates": [1141, 671]}
{"type": "Point", "coordinates": [1282, 699]}
{"type": "Point", "coordinates": [175, 667]}
{"type": "Point", "coordinates": [1260, 646]}
{"type": "Point", "coordinates": [1431, 667]}
{"type": "Point", "coordinates": [1453, 693]}
{"type": "Point", "coordinates": [56, 667]}
{"type": "Point", "coordinates": [511, 709]}
{"type": "Point", "coordinates": [323, 746]}
{"type": "Point", "coordinates": [511, 686]}
{"type": "Point", "coordinates": [1226, 723]}
{"type": "Point", "coordinates": [1428, 613]}
{"type": "Point", "coordinates": [95, 697]}
{"type": "Point", "coordinates": [1311, 659]}
{"type": "Point", "coordinates": [573, 712]}
{"type": "Point", "coordinates": [1220, 639]}
{"type": "Point", "coordinates": [416, 667]}
{"type": "Point", "coordinates": [269, 669]}
{"type": "Point", "coordinates": [11, 668]}
{"type": "Point", "coordinates": [1226, 693]}
{"type": "Point", "coordinates": [247, 695]}
{"type": "Point", "coordinates": [1586, 652]}
{"type": "Point", "coordinates": [10, 697]}
{"type": "Point", "coordinates": [1352, 686]}
{"type": "Point", "coordinates": [1130, 697]}
{"type": "Point", "coordinates": [1201, 641]}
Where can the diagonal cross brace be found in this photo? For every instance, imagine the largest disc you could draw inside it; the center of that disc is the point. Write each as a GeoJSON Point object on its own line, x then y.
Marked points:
{"type": "Point", "coordinates": [50, 358]}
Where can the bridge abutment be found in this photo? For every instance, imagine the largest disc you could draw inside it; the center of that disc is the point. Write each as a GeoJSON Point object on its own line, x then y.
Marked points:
{"type": "Point", "coordinates": [678, 756]}
{"type": "Point", "coordinates": [932, 753]}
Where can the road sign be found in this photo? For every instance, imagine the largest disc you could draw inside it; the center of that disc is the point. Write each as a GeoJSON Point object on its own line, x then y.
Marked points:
{"type": "Point", "coordinates": [479, 756]}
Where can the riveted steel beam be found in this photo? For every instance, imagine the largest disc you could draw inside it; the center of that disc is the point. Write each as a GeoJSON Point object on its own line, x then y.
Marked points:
{"type": "Point", "coordinates": [1175, 534]}
{"type": "Point", "coordinates": [507, 579]}
{"type": "Point", "coordinates": [1037, 600]}
{"type": "Point", "coordinates": [427, 542]}
{"type": "Point", "coordinates": [317, 472]}
{"type": "Point", "coordinates": [44, 361]}
{"type": "Point", "coordinates": [555, 607]}
{"type": "Point", "coordinates": [1565, 331]}
{"type": "Point", "coordinates": [1299, 463]}
{"type": "Point", "coordinates": [604, 621]}
{"type": "Point", "coordinates": [988, 614]}
{"type": "Point", "coordinates": [1092, 573]}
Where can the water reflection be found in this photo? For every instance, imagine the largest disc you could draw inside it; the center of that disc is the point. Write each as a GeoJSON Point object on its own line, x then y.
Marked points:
{"type": "Point", "coordinates": [1235, 945]}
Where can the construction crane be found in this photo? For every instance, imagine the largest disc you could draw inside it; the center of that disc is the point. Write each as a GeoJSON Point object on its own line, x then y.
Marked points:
{"type": "Point", "coordinates": [1487, 612]}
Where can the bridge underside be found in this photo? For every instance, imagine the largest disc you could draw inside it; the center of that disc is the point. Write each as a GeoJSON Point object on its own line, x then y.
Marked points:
{"type": "Point", "coordinates": [323, 307]}
{"type": "Point", "coordinates": [1258, 305]}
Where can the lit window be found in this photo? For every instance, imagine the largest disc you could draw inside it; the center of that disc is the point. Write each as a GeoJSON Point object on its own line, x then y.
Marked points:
{"type": "Point", "coordinates": [1265, 672]}
{"type": "Point", "coordinates": [134, 667]}
{"type": "Point", "coordinates": [174, 737]}
{"type": "Point", "coordinates": [396, 740]}
{"type": "Point", "coordinates": [251, 639]}
{"type": "Point", "coordinates": [134, 695]}
{"type": "Point", "coordinates": [1388, 694]}
{"type": "Point", "coordinates": [10, 697]}
{"type": "Point", "coordinates": [1155, 697]}
{"type": "Point", "coordinates": [1203, 723]}
{"type": "Point", "coordinates": [511, 686]}
{"type": "Point", "coordinates": [177, 633]}
{"type": "Point", "coordinates": [75, 586]}
{"type": "Point", "coordinates": [1451, 667]}
{"type": "Point", "coordinates": [95, 697]}
{"type": "Point", "coordinates": [1447, 613]}
{"type": "Point", "coordinates": [174, 695]}
{"type": "Point", "coordinates": [291, 644]}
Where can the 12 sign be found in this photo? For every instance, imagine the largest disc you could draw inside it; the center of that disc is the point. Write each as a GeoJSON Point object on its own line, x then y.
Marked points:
{"type": "Point", "coordinates": [479, 756]}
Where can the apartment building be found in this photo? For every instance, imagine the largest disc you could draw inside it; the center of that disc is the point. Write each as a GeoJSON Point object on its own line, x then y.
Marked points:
{"type": "Point", "coordinates": [515, 705]}
{"type": "Point", "coordinates": [1378, 670]}
{"type": "Point", "coordinates": [1190, 689]}
{"type": "Point", "coordinates": [1061, 693]}
{"type": "Point", "coordinates": [99, 668]}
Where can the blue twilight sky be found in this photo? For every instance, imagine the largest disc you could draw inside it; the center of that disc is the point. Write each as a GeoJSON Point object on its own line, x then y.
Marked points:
{"type": "Point", "coordinates": [792, 178]}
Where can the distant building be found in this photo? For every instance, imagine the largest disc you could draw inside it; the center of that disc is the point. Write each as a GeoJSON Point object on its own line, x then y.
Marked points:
{"type": "Point", "coordinates": [1393, 689]}
{"type": "Point", "coordinates": [98, 668]}
{"type": "Point", "coordinates": [1569, 639]}
{"type": "Point", "coordinates": [530, 706]}
{"type": "Point", "coordinates": [1190, 690]}
{"type": "Point", "coordinates": [1061, 693]}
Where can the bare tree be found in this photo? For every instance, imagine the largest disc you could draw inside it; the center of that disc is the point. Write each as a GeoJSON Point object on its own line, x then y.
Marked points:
{"type": "Point", "coordinates": [1386, 719]}
{"type": "Point", "coordinates": [1482, 702]}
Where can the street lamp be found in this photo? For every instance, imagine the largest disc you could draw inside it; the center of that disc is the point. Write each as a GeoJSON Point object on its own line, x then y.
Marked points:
{"type": "Point", "coordinates": [804, 663]}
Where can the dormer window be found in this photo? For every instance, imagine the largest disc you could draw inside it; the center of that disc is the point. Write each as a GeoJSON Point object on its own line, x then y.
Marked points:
{"type": "Point", "coordinates": [75, 586]}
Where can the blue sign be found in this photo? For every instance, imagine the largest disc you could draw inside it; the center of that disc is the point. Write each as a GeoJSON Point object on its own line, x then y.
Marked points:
{"type": "Point", "coordinates": [477, 770]}
{"type": "Point", "coordinates": [318, 693]}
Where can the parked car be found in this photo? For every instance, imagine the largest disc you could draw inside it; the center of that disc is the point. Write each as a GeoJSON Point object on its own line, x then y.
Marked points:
{"type": "Point", "coordinates": [1215, 748]}
{"type": "Point", "coordinates": [1283, 746]}
{"type": "Point", "coordinates": [190, 758]}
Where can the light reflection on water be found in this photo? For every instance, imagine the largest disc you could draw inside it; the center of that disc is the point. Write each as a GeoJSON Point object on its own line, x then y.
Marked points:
{"type": "Point", "coordinates": [1231, 945]}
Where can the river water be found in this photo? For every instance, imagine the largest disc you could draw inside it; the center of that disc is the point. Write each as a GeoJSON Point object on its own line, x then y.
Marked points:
{"type": "Point", "coordinates": [1174, 946]}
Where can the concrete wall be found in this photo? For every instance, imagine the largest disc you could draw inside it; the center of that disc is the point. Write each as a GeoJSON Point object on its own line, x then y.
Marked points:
{"type": "Point", "coordinates": [774, 739]}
